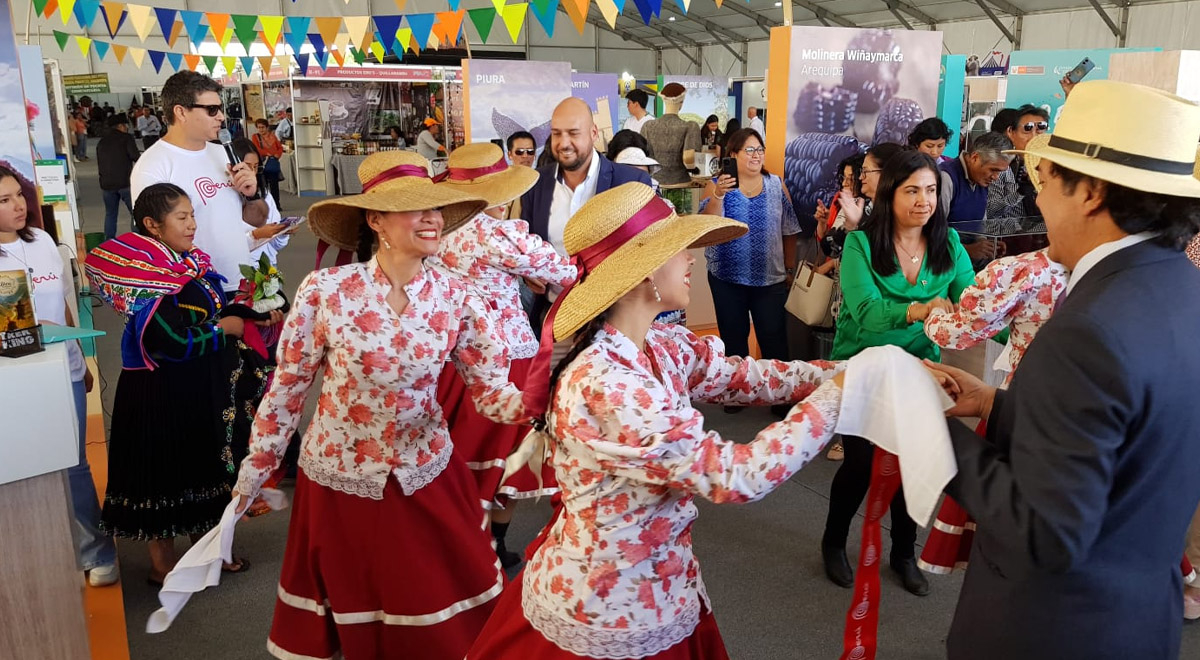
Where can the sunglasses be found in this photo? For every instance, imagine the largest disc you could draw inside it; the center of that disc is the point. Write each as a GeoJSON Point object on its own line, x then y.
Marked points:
{"type": "Point", "coordinates": [213, 110]}
{"type": "Point", "coordinates": [524, 152]}
{"type": "Point", "coordinates": [1041, 126]}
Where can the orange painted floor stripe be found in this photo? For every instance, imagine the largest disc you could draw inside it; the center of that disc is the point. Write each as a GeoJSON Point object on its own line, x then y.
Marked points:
{"type": "Point", "coordinates": [103, 607]}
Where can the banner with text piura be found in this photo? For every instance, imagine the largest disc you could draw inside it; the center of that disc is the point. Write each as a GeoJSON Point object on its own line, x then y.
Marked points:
{"type": "Point", "coordinates": [833, 92]}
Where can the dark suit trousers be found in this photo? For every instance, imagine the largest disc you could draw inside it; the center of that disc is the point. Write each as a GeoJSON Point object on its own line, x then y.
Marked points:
{"type": "Point", "coordinates": [846, 494]}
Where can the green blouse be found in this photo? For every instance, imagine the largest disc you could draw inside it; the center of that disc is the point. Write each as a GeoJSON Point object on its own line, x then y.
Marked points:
{"type": "Point", "coordinates": [874, 307]}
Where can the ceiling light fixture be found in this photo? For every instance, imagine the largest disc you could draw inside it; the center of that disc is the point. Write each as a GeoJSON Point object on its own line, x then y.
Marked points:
{"type": "Point", "coordinates": [670, 18]}
{"type": "Point", "coordinates": [778, 4]}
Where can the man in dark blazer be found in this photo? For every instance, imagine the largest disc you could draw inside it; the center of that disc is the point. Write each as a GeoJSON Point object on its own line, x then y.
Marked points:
{"type": "Point", "coordinates": [1090, 472]}
{"type": "Point", "coordinates": [576, 175]}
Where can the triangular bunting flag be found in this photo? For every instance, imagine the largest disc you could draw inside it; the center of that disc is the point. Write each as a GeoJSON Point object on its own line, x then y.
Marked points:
{"type": "Point", "coordinates": [378, 50]}
{"type": "Point", "coordinates": [719, 2]}
{"type": "Point", "coordinates": [303, 60]}
{"type": "Point", "coordinates": [156, 58]}
{"type": "Point", "coordinates": [610, 11]}
{"type": "Point", "coordinates": [84, 44]}
{"type": "Point", "coordinates": [400, 4]}
{"type": "Point", "coordinates": [422, 26]}
{"type": "Point", "coordinates": [210, 63]}
{"type": "Point", "coordinates": [453, 4]}
{"type": "Point", "coordinates": [451, 23]}
{"type": "Point", "coordinates": [101, 48]}
{"type": "Point", "coordinates": [360, 30]}
{"type": "Point", "coordinates": [272, 26]}
{"type": "Point", "coordinates": [195, 29]}
{"type": "Point", "coordinates": [39, 6]}
{"type": "Point", "coordinates": [61, 38]}
{"type": "Point", "coordinates": [166, 20]}
{"type": "Point", "coordinates": [317, 42]}
{"type": "Point", "coordinates": [176, 60]}
{"type": "Point", "coordinates": [358, 55]}
{"type": "Point", "coordinates": [192, 61]}
{"type": "Point", "coordinates": [482, 19]}
{"type": "Point", "coordinates": [247, 64]}
{"type": "Point", "coordinates": [546, 12]}
{"type": "Point", "coordinates": [684, 5]}
{"type": "Point", "coordinates": [343, 48]}
{"type": "Point", "coordinates": [218, 24]}
{"type": "Point", "coordinates": [656, 7]}
{"type": "Point", "coordinates": [404, 39]}
{"type": "Point", "coordinates": [297, 32]}
{"type": "Point", "coordinates": [141, 18]}
{"type": "Point", "coordinates": [328, 27]}
{"type": "Point", "coordinates": [66, 9]}
{"type": "Point", "coordinates": [243, 29]}
{"type": "Point", "coordinates": [114, 16]}
{"type": "Point", "coordinates": [514, 18]}
{"type": "Point", "coordinates": [499, 5]}
{"type": "Point", "coordinates": [197, 36]}
{"type": "Point", "coordinates": [387, 26]}
{"type": "Point", "coordinates": [85, 12]}
{"type": "Point", "coordinates": [284, 61]}
{"type": "Point", "coordinates": [323, 59]}
{"type": "Point", "coordinates": [645, 10]}
{"type": "Point", "coordinates": [50, 8]}
{"type": "Point", "coordinates": [338, 57]}
{"type": "Point", "coordinates": [226, 38]}
{"type": "Point", "coordinates": [265, 62]}
{"type": "Point", "coordinates": [577, 10]}
{"type": "Point", "coordinates": [229, 63]}
{"type": "Point", "coordinates": [176, 30]}
{"type": "Point", "coordinates": [120, 52]}
{"type": "Point", "coordinates": [138, 55]}
{"type": "Point", "coordinates": [262, 36]}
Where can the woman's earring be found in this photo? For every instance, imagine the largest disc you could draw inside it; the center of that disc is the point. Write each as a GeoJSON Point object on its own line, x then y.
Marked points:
{"type": "Point", "coordinates": [657, 298]}
{"type": "Point", "coordinates": [386, 244]}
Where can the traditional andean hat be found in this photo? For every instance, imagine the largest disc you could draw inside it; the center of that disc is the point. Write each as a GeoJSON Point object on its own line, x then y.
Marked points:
{"type": "Point", "coordinates": [480, 170]}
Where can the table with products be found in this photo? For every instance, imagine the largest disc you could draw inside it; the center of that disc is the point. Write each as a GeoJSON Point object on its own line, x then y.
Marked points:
{"type": "Point", "coordinates": [345, 168]}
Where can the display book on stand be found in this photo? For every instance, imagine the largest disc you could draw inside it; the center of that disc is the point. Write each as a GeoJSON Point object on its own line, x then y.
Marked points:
{"type": "Point", "coordinates": [20, 333]}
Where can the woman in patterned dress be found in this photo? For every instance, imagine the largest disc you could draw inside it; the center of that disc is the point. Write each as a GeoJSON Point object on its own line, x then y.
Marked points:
{"type": "Point", "coordinates": [387, 553]}
{"type": "Point", "coordinates": [491, 255]}
{"type": "Point", "coordinates": [613, 574]}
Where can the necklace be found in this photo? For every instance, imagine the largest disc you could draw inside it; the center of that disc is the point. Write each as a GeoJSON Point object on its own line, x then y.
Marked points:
{"type": "Point", "coordinates": [915, 258]}
{"type": "Point", "coordinates": [24, 262]}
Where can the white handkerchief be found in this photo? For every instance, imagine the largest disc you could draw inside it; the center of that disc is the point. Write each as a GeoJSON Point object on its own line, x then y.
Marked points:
{"type": "Point", "coordinates": [200, 567]}
{"type": "Point", "coordinates": [890, 399]}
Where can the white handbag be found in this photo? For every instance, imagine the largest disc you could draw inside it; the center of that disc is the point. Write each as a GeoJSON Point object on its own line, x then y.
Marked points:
{"type": "Point", "coordinates": [810, 297]}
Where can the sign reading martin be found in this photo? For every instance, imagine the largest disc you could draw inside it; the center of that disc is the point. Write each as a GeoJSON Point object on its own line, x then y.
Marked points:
{"type": "Point", "coordinates": [89, 83]}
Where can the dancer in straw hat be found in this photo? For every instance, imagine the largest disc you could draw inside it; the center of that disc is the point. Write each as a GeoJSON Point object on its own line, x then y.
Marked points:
{"type": "Point", "coordinates": [613, 575]}
{"type": "Point", "coordinates": [1088, 478]}
{"type": "Point", "coordinates": [492, 254]}
{"type": "Point", "coordinates": [388, 554]}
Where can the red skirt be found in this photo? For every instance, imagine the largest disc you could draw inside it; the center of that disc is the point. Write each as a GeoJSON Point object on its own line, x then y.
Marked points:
{"type": "Point", "coordinates": [949, 543]}
{"type": "Point", "coordinates": [484, 444]}
{"type": "Point", "coordinates": [402, 577]}
{"type": "Point", "coordinates": [508, 635]}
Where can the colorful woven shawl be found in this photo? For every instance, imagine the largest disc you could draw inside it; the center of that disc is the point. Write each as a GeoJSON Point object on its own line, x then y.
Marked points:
{"type": "Point", "coordinates": [132, 271]}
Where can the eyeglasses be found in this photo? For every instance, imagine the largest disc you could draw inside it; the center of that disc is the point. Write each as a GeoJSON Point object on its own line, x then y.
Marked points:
{"type": "Point", "coordinates": [866, 172]}
{"type": "Point", "coordinates": [1041, 126]}
{"type": "Point", "coordinates": [212, 109]}
{"type": "Point", "coordinates": [754, 151]}
{"type": "Point", "coordinates": [524, 152]}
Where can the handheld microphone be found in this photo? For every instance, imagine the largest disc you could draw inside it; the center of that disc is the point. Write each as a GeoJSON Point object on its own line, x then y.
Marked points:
{"type": "Point", "coordinates": [234, 160]}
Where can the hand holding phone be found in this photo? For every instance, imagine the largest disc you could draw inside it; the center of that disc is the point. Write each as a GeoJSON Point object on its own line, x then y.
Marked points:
{"type": "Point", "coordinates": [729, 168]}
{"type": "Point", "coordinates": [1082, 69]}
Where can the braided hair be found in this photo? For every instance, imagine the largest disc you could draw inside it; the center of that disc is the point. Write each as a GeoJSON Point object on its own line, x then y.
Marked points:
{"type": "Point", "coordinates": [583, 339]}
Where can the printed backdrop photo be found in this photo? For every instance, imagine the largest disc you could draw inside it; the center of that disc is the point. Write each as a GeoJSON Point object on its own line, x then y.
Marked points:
{"type": "Point", "coordinates": [706, 96]}
{"type": "Point", "coordinates": [507, 96]}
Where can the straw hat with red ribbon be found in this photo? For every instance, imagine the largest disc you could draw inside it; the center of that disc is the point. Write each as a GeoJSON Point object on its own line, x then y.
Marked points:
{"type": "Point", "coordinates": [393, 181]}
{"type": "Point", "coordinates": [617, 239]}
{"type": "Point", "coordinates": [480, 170]}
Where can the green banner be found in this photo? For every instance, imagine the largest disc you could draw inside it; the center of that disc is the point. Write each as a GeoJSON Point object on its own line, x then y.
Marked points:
{"type": "Point", "coordinates": [90, 83]}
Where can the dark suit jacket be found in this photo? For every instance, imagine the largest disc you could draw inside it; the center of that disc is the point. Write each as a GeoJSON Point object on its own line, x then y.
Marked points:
{"type": "Point", "coordinates": [535, 204]}
{"type": "Point", "coordinates": [1089, 476]}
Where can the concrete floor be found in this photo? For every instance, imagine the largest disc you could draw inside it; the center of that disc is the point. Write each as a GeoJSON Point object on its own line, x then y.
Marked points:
{"type": "Point", "coordinates": [760, 561]}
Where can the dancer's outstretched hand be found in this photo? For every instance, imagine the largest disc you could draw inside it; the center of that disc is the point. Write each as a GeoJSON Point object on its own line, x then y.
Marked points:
{"type": "Point", "coordinates": [973, 399]}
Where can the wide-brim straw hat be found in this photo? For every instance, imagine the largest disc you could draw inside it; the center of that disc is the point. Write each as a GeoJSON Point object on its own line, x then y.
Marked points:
{"type": "Point", "coordinates": [620, 237]}
{"type": "Point", "coordinates": [480, 170]}
{"type": "Point", "coordinates": [392, 181]}
{"type": "Point", "coordinates": [1131, 135]}
{"type": "Point", "coordinates": [1032, 159]}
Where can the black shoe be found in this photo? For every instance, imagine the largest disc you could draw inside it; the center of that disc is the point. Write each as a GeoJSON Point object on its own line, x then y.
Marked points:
{"type": "Point", "coordinates": [508, 559]}
{"type": "Point", "coordinates": [733, 410]}
{"type": "Point", "coordinates": [911, 575]}
{"type": "Point", "coordinates": [837, 566]}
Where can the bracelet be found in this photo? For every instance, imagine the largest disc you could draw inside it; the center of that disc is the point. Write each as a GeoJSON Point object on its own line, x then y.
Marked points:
{"type": "Point", "coordinates": [908, 312]}
{"type": "Point", "coordinates": [718, 197]}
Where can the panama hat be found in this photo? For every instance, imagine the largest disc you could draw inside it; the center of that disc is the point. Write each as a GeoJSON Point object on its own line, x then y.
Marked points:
{"type": "Point", "coordinates": [480, 170]}
{"type": "Point", "coordinates": [635, 156]}
{"type": "Point", "coordinates": [392, 181]}
{"type": "Point", "coordinates": [1153, 149]}
{"type": "Point", "coordinates": [618, 239]}
{"type": "Point", "coordinates": [1032, 159]}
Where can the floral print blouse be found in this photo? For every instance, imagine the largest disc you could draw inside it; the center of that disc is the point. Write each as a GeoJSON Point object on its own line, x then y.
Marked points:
{"type": "Point", "coordinates": [616, 577]}
{"type": "Point", "coordinates": [377, 414]}
{"type": "Point", "coordinates": [492, 256]}
{"type": "Point", "coordinates": [1017, 292]}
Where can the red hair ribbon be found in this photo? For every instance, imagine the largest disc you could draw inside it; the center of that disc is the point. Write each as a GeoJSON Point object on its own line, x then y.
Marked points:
{"type": "Point", "coordinates": [537, 384]}
{"type": "Point", "coordinates": [397, 172]}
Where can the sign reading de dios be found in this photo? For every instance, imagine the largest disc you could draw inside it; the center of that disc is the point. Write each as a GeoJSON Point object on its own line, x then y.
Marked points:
{"type": "Point", "coordinates": [89, 83]}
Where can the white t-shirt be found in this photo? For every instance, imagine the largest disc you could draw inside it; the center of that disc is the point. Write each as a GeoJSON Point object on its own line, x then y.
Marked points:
{"type": "Point", "coordinates": [49, 286]}
{"type": "Point", "coordinates": [204, 176]}
{"type": "Point", "coordinates": [635, 124]}
{"type": "Point", "coordinates": [427, 145]}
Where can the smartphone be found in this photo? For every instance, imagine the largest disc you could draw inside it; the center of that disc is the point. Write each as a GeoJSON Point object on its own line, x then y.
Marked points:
{"type": "Point", "coordinates": [729, 166]}
{"type": "Point", "coordinates": [294, 220]}
{"type": "Point", "coordinates": [1082, 69]}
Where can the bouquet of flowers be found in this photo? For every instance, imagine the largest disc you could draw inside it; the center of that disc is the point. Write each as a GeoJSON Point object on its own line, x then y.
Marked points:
{"type": "Point", "coordinates": [261, 286]}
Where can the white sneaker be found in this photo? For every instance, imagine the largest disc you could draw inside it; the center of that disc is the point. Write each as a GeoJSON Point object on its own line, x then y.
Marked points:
{"type": "Point", "coordinates": [102, 576]}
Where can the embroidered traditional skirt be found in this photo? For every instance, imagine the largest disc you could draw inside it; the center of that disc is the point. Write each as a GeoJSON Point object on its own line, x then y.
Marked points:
{"type": "Point", "coordinates": [949, 543]}
{"type": "Point", "coordinates": [402, 577]}
{"type": "Point", "coordinates": [484, 444]}
{"type": "Point", "coordinates": [508, 634]}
